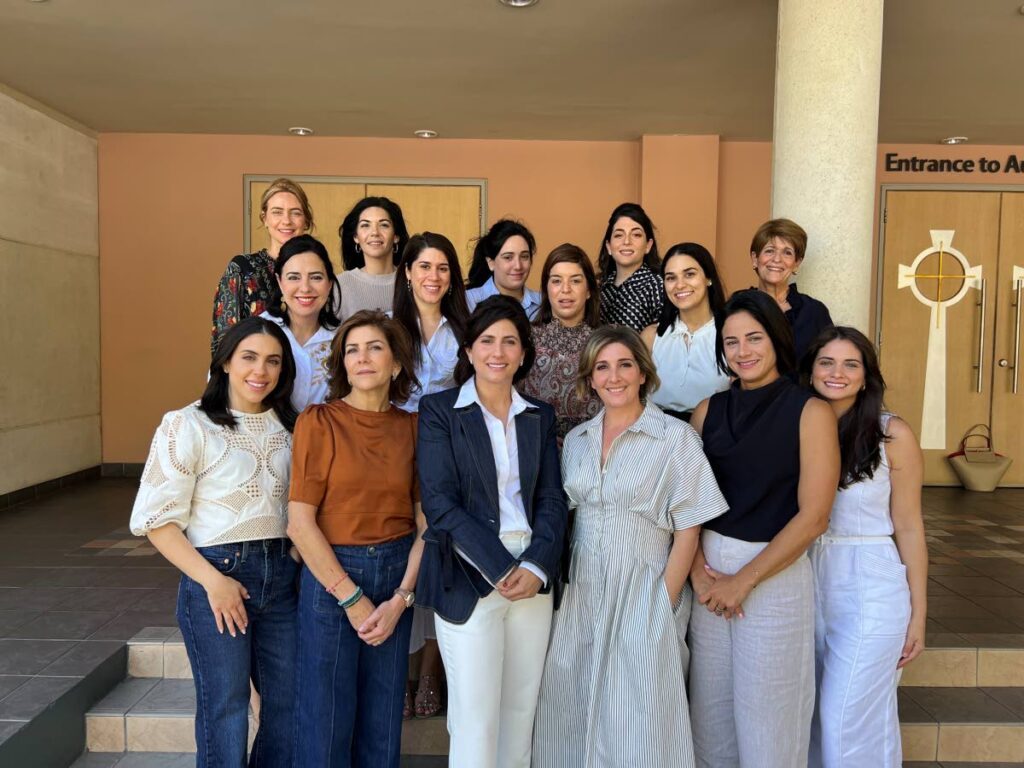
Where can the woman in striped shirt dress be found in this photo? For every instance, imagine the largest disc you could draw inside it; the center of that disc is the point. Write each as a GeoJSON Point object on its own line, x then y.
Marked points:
{"type": "Point", "coordinates": [614, 686]}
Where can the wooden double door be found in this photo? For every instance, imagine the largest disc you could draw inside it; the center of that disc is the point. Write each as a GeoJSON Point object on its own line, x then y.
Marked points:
{"type": "Point", "coordinates": [952, 272]}
{"type": "Point", "coordinates": [454, 210]}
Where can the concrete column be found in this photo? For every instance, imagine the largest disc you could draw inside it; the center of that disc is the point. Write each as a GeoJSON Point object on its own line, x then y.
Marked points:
{"type": "Point", "coordinates": [827, 75]}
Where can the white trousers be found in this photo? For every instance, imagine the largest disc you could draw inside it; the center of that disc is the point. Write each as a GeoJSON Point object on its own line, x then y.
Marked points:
{"type": "Point", "coordinates": [752, 679]}
{"type": "Point", "coordinates": [494, 663]}
{"type": "Point", "coordinates": [863, 607]}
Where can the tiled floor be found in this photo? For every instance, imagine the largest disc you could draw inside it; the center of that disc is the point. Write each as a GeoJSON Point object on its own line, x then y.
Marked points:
{"type": "Point", "coordinates": [74, 586]}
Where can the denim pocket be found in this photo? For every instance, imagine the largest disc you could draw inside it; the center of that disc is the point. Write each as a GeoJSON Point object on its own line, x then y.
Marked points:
{"type": "Point", "coordinates": [225, 559]}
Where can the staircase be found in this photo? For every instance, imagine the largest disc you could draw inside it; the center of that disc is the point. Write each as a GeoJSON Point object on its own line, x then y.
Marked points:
{"type": "Point", "coordinates": [148, 720]}
{"type": "Point", "coordinates": [957, 705]}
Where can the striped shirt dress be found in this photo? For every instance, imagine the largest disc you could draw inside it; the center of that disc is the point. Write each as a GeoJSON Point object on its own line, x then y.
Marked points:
{"type": "Point", "coordinates": [614, 685]}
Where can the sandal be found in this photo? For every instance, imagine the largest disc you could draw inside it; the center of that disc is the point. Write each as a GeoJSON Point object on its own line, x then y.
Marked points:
{"type": "Point", "coordinates": [407, 709]}
{"type": "Point", "coordinates": [428, 697]}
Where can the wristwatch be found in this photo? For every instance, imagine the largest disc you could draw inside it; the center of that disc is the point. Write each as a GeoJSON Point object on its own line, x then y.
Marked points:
{"type": "Point", "coordinates": [407, 596]}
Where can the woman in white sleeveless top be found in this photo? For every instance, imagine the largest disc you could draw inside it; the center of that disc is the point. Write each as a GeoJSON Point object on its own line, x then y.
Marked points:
{"type": "Point", "coordinates": [870, 606]}
{"type": "Point", "coordinates": [682, 342]}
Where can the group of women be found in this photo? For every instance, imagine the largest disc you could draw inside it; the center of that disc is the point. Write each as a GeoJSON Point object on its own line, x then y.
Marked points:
{"type": "Point", "coordinates": [641, 524]}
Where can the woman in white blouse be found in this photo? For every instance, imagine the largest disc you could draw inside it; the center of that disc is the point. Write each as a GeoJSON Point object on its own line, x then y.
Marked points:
{"type": "Point", "coordinates": [304, 306]}
{"type": "Point", "coordinates": [213, 501]}
{"type": "Point", "coordinates": [430, 302]}
{"type": "Point", "coordinates": [682, 342]}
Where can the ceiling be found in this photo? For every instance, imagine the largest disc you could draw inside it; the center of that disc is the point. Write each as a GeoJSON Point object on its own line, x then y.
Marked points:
{"type": "Point", "coordinates": [564, 69]}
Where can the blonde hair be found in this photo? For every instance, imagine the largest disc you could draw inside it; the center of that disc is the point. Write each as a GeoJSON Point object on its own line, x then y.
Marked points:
{"type": "Point", "coordinates": [287, 185]}
{"type": "Point", "coordinates": [630, 339]}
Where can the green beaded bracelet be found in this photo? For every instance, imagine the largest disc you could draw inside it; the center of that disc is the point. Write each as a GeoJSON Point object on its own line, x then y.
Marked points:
{"type": "Point", "coordinates": [351, 599]}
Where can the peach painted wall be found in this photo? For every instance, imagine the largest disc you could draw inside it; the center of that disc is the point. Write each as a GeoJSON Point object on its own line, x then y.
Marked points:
{"type": "Point", "coordinates": [171, 218]}
{"type": "Point", "coordinates": [170, 210]}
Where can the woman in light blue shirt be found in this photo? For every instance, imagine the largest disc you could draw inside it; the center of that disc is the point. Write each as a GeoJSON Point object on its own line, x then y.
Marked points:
{"type": "Point", "coordinates": [430, 302]}
{"type": "Point", "coordinates": [501, 265]}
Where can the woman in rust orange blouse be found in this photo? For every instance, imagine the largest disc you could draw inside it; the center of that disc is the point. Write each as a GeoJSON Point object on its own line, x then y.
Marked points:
{"type": "Point", "coordinates": [354, 515]}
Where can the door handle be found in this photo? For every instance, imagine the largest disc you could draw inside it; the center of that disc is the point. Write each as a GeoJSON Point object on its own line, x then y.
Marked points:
{"type": "Point", "coordinates": [981, 338]}
{"type": "Point", "coordinates": [1018, 285]}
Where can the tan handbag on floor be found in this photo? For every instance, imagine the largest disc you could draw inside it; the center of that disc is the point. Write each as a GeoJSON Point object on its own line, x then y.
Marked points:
{"type": "Point", "coordinates": [978, 466]}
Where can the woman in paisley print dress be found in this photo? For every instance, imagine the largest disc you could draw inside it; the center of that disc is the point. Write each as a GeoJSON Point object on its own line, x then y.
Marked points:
{"type": "Point", "coordinates": [570, 309]}
{"type": "Point", "coordinates": [247, 285]}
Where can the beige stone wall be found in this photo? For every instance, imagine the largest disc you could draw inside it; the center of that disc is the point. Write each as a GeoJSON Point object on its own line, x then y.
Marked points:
{"type": "Point", "coordinates": [49, 298]}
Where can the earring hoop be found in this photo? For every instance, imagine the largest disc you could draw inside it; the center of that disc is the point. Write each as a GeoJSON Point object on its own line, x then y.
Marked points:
{"type": "Point", "coordinates": [358, 249]}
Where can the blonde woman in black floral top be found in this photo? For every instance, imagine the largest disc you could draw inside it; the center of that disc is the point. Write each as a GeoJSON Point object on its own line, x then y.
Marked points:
{"type": "Point", "coordinates": [631, 290]}
{"type": "Point", "coordinates": [569, 311]}
{"type": "Point", "coordinates": [248, 282]}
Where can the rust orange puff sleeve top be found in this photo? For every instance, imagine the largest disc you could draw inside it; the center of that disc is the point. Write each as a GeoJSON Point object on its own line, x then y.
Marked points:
{"type": "Point", "coordinates": [358, 468]}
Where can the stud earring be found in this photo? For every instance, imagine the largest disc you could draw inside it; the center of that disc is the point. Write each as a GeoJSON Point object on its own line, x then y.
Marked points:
{"type": "Point", "coordinates": [709, 283]}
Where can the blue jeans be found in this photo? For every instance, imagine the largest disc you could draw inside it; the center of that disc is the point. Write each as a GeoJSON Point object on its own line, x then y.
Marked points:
{"type": "Point", "coordinates": [349, 706]}
{"type": "Point", "coordinates": [222, 665]}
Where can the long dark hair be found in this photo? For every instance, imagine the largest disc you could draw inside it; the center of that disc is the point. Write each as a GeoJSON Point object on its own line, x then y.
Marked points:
{"type": "Point", "coordinates": [453, 304]}
{"type": "Point", "coordinates": [328, 317]}
{"type": "Point", "coordinates": [765, 310]}
{"type": "Point", "coordinates": [488, 246]}
{"type": "Point", "coordinates": [704, 259]}
{"type": "Point", "coordinates": [567, 253]}
{"type": "Point", "coordinates": [605, 263]}
{"type": "Point", "coordinates": [860, 428]}
{"type": "Point", "coordinates": [216, 400]}
{"type": "Point", "coordinates": [350, 257]}
{"type": "Point", "coordinates": [487, 313]}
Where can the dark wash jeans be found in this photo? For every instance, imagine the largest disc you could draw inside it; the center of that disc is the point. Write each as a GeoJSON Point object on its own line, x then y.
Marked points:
{"type": "Point", "coordinates": [222, 665]}
{"type": "Point", "coordinates": [349, 705]}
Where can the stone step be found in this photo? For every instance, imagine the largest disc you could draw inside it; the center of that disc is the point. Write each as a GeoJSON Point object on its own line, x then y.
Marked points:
{"type": "Point", "coordinates": [188, 760]}
{"type": "Point", "coordinates": [160, 652]}
{"type": "Point", "coordinates": [966, 667]}
{"type": "Point", "coordinates": [158, 715]}
{"type": "Point", "coordinates": [955, 724]}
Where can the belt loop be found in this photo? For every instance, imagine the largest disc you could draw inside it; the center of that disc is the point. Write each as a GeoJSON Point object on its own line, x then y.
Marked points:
{"type": "Point", "coordinates": [244, 552]}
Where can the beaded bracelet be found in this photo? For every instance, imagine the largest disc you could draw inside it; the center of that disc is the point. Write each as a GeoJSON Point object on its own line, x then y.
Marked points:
{"type": "Point", "coordinates": [351, 599]}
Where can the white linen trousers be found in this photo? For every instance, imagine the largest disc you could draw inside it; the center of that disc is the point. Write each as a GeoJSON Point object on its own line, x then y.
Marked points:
{"type": "Point", "coordinates": [752, 679]}
{"type": "Point", "coordinates": [494, 663]}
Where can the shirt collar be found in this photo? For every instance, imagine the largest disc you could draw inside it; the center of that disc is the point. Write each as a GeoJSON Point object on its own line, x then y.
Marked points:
{"type": "Point", "coordinates": [468, 396]}
{"type": "Point", "coordinates": [530, 298]}
{"type": "Point", "coordinates": [651, 422]}
{"type": "Point", "coordinates": [679, 328]}
{"type": "Point", "coordinates": [321, 335]}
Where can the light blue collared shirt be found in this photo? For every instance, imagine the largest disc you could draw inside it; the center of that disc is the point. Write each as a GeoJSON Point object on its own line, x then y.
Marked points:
{"type": "Point", "coordinates": [505, 447]}
{"type": "Point", "coordinates": [530, 302]}
{"type": "Point", "coordinates": [435, 370]}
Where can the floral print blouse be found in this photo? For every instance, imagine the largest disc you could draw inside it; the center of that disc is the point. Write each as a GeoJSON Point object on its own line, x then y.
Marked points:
{"type": "Point", "coordinates": [244, 291]}
{"type": "Point", "coordinates": [553, 375]}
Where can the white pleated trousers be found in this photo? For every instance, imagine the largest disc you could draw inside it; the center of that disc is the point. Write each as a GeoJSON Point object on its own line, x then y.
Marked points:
{"type": "Point", "coordinates": [863, 607]}
{"type": "Point", "coordinates": [752, 679]}
{"type": "Point", "coordinates": [494, 664]}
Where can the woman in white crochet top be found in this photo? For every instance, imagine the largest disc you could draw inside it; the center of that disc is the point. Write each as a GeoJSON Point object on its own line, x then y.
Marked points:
{"type": "Point", "coordinates": [213, 500]}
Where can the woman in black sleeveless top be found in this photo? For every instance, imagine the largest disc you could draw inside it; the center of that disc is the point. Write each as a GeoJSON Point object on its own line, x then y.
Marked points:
{"type": "Point", "coordinates": [775, 454]}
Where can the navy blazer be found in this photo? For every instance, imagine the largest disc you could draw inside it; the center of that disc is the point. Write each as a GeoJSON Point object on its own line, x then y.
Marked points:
{"type": "Point", "coordinates": [459, 493]}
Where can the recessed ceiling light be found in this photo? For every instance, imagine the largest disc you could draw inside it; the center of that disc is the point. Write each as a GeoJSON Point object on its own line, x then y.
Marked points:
{"type": "Point", "coordinates": [955, 140]}
{"type": "Point", "coordinates": [518, 3]}
{"type": "Point", "coordinates": [425, 133]}
{"type": "Point", "coordinates": [298, 130]}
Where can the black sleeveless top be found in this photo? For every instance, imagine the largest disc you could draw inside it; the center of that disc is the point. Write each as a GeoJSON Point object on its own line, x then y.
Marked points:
{"type": "Point", "coordinates": [752, 441]}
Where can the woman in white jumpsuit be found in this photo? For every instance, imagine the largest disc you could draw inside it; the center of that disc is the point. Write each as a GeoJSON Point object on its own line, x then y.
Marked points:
{"type": "Point", "coordinates": [870, 601]}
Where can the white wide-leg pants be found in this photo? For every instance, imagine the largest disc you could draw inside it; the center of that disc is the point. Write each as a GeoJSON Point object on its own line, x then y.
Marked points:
{"type": "Point", "coordinates": [752, 679]}
{"type": "Point", "coordinates": [494, 663]}
{"type": "Point", "coordinates": [863, 608]}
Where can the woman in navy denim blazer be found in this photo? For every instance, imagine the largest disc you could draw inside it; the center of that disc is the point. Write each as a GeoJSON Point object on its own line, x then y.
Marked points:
{"type": "Point", "coordinates": [491, 490]}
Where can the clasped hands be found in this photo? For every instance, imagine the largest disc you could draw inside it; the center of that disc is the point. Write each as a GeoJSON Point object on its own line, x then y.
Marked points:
{"type": "Point", "coordinates": [720, 593]}
{"type": "Point", "coordinates": [520, 584]}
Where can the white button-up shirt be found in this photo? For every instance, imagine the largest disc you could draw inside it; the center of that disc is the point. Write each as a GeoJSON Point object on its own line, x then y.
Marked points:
{"type": "Point", "coordinates": [687, 367]}
{"type": "Point", "coordinates": [505, 447]}
{"type": "Point", "coordinates": [435, 370]}
{"type": "Point", "coordinates": [530, 302]}
{"type": "Point", "coordinates": [311, 377]}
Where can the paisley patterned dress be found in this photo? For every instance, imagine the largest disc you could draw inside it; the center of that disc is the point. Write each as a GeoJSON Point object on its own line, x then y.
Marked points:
{"type": "Point", "coordinates": [553, 375]}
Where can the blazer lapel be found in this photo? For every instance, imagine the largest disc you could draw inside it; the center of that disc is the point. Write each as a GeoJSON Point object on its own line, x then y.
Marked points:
{"type": "Point", "coordinates": [472, 422]}
{"type": "Point", "coordinates": [528, 443]}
